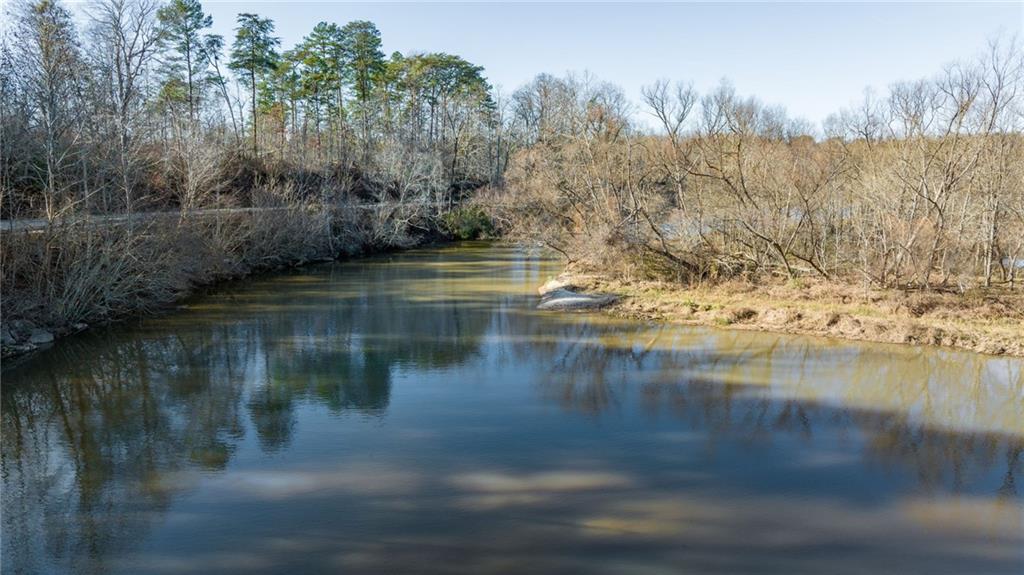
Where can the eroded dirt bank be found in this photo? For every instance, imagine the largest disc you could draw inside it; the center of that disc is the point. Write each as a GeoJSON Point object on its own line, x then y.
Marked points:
{"type": "Point", "coordinates": [987, 323]}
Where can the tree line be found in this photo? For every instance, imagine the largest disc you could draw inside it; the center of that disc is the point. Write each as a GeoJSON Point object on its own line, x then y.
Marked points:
{"type": "Point", "coordinates": [920, 187]}
{"type": "Point", "coordinates": [145, 107]}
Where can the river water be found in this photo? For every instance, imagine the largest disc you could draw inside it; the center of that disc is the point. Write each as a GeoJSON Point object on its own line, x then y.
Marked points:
{"type": "Point", "coordinates": [414, 413]}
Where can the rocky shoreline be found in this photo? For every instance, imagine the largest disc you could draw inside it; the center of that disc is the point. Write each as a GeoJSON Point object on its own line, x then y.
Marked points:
{"type": "Point", "coordinates": [19, 337]}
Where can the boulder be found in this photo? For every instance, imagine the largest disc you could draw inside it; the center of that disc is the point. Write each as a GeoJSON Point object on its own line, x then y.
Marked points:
{"type": "Point", "coordinates": [567, 300]}
{"type": "Point", "coordinates": [40, 336]}
{"type": "Point", "coordinates": [559, 283]}
{"type": "Point", "coordinates": [20, 328]}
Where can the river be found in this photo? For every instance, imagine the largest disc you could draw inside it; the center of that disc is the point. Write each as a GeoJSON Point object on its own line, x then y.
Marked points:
{"type": "Point", "coordinates": [415, 413]}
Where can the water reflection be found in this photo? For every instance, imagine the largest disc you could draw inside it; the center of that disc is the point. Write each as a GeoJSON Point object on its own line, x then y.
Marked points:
{"type": "Point", "coordinates": [414, 411]}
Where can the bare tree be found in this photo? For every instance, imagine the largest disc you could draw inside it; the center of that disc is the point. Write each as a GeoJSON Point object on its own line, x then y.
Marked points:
{"type": "Point", "coordinates": [50, 69]}
{"type": "Point", "coordinates": [124, 40]}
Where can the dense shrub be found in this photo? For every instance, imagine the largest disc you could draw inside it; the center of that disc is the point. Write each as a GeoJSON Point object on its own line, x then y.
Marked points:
{"type": "Point", "coordinates": [468, 223]}
{"type": "Point", "coordinates": [90, 270]}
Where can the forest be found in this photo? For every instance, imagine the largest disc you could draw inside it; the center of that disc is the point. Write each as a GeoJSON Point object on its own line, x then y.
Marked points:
{"type": "Point", "coordinates": [150, 155]}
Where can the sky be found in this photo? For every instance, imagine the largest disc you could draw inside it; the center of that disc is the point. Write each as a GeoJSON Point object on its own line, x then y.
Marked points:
{"type": "Point", "coordinates": [811, 58]}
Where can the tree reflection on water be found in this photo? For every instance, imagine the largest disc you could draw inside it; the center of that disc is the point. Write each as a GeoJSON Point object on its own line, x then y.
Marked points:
{"type": "Point", "coordinates": [455, 413]}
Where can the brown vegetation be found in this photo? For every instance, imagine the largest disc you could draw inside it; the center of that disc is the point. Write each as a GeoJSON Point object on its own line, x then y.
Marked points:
{"type": "Point", "coordinates": [333, 149]}
{"type": "Point", "coordinates": [986, 321]}
{"type": "Point", "coordinates": [913, 201]}
{"type": "Point", "coordinates": [922, 189]}
{"type": "Point", "coordinates": [61, 277]}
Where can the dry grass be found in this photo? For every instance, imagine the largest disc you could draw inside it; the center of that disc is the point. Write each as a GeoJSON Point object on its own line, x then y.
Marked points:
{"type": "Point", "coordinates": [989, 321]}
{"type": "Point", "coordinates": [72, 273]}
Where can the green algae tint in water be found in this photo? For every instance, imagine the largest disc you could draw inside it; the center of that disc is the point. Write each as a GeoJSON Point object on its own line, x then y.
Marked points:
{"type": "Point", "coordinates": [416, 414]}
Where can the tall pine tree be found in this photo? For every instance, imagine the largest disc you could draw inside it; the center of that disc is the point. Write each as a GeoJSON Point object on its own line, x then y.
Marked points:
{"type": "Point", "coordinates": [253, 54]}
{"type": "Point", "coordinates": [187, 47]}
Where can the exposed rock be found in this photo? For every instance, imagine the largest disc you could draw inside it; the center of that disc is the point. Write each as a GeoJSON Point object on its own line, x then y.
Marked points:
{"type": "Point", "coordinates": [559, 283]}
{"type": "Point", "coordinates": [21, 329]}
{"type": "Point", "coordinates": [5, 336]}
{"type": "Point", "coordinates": [16, 349]}
{"type": "Point", "coordinates": [566, 300]}
{"type": "Point", "coordinates": [40, 336]}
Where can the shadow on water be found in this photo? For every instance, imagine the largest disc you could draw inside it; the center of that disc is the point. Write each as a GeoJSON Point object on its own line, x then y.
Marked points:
{"type": "Point", "coordinates": [413, 413]}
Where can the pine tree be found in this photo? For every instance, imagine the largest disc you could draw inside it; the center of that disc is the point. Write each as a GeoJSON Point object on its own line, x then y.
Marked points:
{"type": "Point", "coordinates": [323, 73]}
{"type": "Point", "coordinates": [366, 60]}
{"type": "Point", "coordinates": [187, 60]}
{"type": "Point", "coordinates": [253, 54]}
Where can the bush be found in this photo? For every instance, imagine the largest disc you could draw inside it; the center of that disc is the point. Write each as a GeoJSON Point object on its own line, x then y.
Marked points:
{"type": "Point", "coordinates": [468, 223]}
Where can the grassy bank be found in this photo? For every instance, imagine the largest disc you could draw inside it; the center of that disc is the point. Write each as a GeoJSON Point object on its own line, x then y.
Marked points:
{"type": "Point", "coordinates": [988, 322]}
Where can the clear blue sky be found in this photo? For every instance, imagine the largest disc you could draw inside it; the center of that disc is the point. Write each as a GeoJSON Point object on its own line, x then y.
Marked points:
{"type": "Point", "coordinates": [812, 58]}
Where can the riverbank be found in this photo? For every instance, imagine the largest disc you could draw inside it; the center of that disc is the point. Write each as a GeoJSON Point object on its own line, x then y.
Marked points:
{"type": "Point", "coordinates": [990, 322]}
{"type": "Point", "coordinates": [62, 279]}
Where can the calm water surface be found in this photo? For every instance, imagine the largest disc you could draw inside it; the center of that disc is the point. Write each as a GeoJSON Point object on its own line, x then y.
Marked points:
{"type": "Point", "coordinates": [415, 414]}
